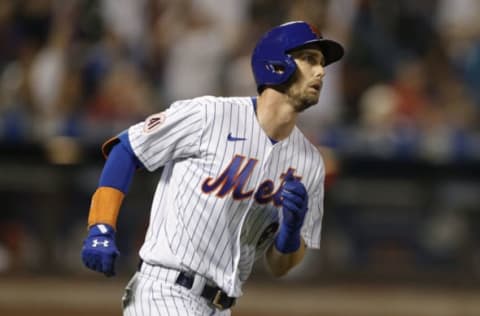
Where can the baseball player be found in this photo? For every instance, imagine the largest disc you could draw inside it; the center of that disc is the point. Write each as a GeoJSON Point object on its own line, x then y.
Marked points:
{"type": "Point", "coordinates": [239, 181]}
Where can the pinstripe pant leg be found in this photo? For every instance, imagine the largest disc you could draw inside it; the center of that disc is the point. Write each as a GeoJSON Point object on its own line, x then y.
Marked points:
{"type": "Point", "coordinates": [145, 296]}
{"type": "Point", "coordinates": [221, 313]}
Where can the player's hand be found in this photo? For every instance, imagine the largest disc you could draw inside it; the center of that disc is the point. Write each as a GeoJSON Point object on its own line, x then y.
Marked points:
{"type": "Point", "coordinates": [294, 207]}
{"type": "Point", "coordinates": [99, 249]}
{"type": "Point", "coordinates": [294, 203]}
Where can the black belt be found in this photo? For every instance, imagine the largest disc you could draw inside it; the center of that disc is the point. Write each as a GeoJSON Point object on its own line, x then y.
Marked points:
{"type": "Point", "coordinates": [215, 295]}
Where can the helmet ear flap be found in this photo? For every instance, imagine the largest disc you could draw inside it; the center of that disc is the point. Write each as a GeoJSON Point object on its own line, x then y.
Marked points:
{"type": "Point", "coordinates": [278, 71]}
{"type": "Point", "coordinates": [275, 68]}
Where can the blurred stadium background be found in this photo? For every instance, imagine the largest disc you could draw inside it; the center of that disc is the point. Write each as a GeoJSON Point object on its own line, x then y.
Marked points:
{"type": "Point", "coordinates": [398, 123]}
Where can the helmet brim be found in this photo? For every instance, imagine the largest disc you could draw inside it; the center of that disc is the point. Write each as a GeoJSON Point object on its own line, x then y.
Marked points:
{"type": "Point", "coordinates": [332, 51]}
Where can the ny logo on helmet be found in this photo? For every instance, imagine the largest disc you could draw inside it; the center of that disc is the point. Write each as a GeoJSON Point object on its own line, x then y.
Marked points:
{"type": "Point", "coordinates": [315, 30]}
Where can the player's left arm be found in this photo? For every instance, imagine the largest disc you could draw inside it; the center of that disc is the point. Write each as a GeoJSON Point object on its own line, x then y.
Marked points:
{"type": "Point", "coordinates": [288, 249]}
{"type": "Point", "coordinates": [280, 263]}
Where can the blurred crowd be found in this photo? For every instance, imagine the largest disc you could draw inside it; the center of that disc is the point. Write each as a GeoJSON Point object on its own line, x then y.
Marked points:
{"type": "Point", "coordinates": [86, 69]}
{"type": "Point", "coordinates": [76, 72]}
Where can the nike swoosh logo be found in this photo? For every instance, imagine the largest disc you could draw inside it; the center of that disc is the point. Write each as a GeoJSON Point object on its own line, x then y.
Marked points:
{"type": "Point", "coordinates": [233, 138]}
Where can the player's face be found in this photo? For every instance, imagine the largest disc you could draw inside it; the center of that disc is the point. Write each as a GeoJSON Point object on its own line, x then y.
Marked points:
{"type": "Point", "coordinates": [304, 90]}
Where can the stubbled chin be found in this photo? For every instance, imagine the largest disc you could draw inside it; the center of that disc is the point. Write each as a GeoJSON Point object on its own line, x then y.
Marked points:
{"type": "Point", "coordinates": [310, 100]}
{"type": "Point", "coordinates": [307, 102]}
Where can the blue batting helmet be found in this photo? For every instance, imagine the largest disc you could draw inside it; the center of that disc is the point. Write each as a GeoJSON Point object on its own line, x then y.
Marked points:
{"type": "Point", "coordinates": [271, 62]}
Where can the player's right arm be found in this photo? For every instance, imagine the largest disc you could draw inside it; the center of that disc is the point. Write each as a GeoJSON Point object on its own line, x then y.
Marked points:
{"type": "Point", "coordinates": [162, 137]}
{"type": "Point", "coordinates": [99, 248]}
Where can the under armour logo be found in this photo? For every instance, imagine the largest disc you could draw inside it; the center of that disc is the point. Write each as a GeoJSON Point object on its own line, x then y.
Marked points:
{"type": "Point", "coordinates": [95, 243]}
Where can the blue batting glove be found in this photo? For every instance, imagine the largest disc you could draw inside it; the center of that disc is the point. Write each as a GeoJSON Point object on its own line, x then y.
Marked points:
{"type": "Point", "coordinates": [99, 249]}
{"type": "Point", "coordinates": [294, 204]}
{"type": "Point", "coordinates": [294, 208]}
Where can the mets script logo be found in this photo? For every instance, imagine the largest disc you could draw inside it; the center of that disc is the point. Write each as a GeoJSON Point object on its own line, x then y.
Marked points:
{"type": "Point", "coordinates": [234, 177]}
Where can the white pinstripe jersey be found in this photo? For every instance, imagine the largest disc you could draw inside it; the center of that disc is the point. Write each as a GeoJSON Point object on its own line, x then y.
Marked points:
{"type": "Point", "coordinates": [216, 207]}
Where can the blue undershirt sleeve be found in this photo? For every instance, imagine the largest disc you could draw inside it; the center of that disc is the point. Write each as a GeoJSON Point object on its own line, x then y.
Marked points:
{"type": "Point", "coordinates": [120, 166]}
